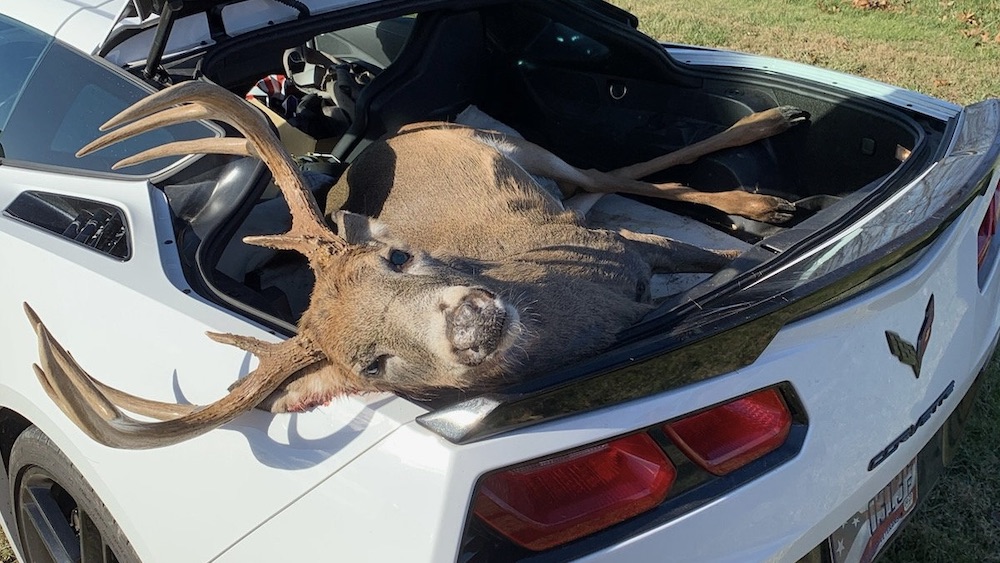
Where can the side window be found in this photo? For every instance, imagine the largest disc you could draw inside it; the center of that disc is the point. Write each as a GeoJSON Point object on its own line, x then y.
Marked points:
{"type": "Point", "coordinates": [20, 50]}
{"type": "Point", "coordinates": [559, 44]}
{"type": "Point", "coordinates": [378, 43]}
{"type": "Point", "coordinates": [66, 98]}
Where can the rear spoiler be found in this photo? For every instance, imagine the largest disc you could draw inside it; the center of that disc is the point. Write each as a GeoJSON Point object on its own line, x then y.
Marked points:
{"type": "Point", "coordinates": [729, 327]}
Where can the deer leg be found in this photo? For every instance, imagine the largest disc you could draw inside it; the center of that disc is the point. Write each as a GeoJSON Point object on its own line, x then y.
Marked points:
{"type": "Point", "coordinates": [759, 207]}
{"type": "Point", "coordinates": [667, 255]}
{"type": "Point", "coordinates": [753, 127]}
{"type": "Point", "coordinates": [536, 160]}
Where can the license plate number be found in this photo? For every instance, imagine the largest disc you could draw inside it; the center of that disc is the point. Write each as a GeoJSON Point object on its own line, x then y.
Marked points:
{"type": "Point", "coordinates": [864, 535]}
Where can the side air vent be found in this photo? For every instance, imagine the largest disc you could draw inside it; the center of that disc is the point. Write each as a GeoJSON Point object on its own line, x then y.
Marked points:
{"type": "Point", "coordinates": [97, 225]}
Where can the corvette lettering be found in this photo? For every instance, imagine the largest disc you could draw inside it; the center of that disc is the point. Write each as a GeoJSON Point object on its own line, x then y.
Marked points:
{"type": "Point", "coordinates": [927, 414]}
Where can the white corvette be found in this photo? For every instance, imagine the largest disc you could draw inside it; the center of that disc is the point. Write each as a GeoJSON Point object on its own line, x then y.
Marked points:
{"type": "Point", "coordinates": [797, 405]}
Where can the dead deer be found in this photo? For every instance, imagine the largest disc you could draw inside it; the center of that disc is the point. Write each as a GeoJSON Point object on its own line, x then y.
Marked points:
{"type": "Point", "coordinates": [468, 271]}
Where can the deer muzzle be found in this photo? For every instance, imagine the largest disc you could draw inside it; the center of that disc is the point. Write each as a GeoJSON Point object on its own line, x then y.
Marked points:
{"type": "Point", "coordinates": [475, 326]}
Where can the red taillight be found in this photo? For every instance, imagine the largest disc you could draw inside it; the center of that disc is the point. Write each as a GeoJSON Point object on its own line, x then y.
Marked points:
{"type": "Point", "coordinates": [732, 435]}
{"type": "Point", "coordinates": [988, 227]}
{"type": "Point", "coordinates": [553, 501]}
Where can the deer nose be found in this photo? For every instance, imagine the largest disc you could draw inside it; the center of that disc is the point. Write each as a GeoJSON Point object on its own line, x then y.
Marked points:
{"type": "Point", "coordinates": [475, 326]}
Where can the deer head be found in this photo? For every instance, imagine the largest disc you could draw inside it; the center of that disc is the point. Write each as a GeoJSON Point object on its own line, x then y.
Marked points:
{"type": "Point", "coordinates": [382, 317]}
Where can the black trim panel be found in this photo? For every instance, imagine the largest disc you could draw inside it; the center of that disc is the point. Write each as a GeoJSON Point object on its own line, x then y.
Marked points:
{"type": "Point", "coordinates": [99, 226]}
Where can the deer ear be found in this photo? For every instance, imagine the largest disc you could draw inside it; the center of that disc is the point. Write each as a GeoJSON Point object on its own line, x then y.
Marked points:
{"type": "Point", "coordinates": [356, 228]}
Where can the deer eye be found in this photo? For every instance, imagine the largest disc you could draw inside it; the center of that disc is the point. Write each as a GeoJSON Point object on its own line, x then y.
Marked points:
{"type": "Point", "coordinates": [398, 259]}
{"type": "Point", "coordinates": [375, 368]}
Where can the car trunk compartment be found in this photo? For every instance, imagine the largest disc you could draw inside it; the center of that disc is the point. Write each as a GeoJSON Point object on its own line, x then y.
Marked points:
{"type": "Point", "coordinates": [611, 98]}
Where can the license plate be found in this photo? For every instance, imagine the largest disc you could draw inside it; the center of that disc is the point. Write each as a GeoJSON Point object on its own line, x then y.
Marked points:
{"type": "Point", "coordinates": [864, 535]}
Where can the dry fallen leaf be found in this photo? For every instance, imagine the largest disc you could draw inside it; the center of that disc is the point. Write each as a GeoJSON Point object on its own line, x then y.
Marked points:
{"type": "Point", "coordinates": [969, 18]}
{"type": "Point", "coordinates": [871, 4]}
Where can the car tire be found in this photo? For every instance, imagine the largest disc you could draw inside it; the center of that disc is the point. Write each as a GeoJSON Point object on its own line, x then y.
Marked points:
{"type": "Point", "coordinates": [59, 517]}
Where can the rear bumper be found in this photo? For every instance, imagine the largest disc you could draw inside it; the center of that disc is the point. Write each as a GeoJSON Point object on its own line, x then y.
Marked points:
{"type": "Point", "coordinates": [877, 524]}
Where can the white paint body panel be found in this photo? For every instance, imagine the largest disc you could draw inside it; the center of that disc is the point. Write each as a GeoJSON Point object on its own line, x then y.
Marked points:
{"type": "Point", "coordinates": [360, 480]}
{"type": "Point", "coordinates": [132, 324]}
{"type": "Point", "coordinates": [83, 24]}
{"type": "Point", "coordinates": [836, 80]}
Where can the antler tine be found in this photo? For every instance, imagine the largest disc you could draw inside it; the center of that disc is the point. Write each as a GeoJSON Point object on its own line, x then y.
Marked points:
{"type": "Point", "coordinates": [138, 119]}
{"type": "Point", "coordinates": [202, 100]}
{"type": "Point", "coordinates": [238, 147]}
{"type": "Point", "coordinates": [86, 401]}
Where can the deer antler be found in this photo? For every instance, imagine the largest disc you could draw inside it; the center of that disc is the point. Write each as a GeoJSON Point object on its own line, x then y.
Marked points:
{"type": "Point", "coordinates": [97, 408]}
{"type": "Point", "coordinates": [309, 234]}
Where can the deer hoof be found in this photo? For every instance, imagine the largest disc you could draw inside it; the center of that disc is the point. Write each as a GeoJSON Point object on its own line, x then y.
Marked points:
{"type": "Point", "coordinates": [793, 115]}
{"type": "Point", "coordinates": [759, 207]}
{"type": "Point", "coordinates": [777, 211]}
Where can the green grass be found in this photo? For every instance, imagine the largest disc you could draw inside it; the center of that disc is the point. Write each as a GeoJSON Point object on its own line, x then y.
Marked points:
{"type": "Point", "coordinates": [960, 520]}
{"type": "Point", "coordinates": [948, 49]}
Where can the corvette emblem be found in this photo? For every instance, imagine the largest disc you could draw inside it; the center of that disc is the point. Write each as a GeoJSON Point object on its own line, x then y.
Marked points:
{"type": "Point", "coordinates": [908, 353]}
